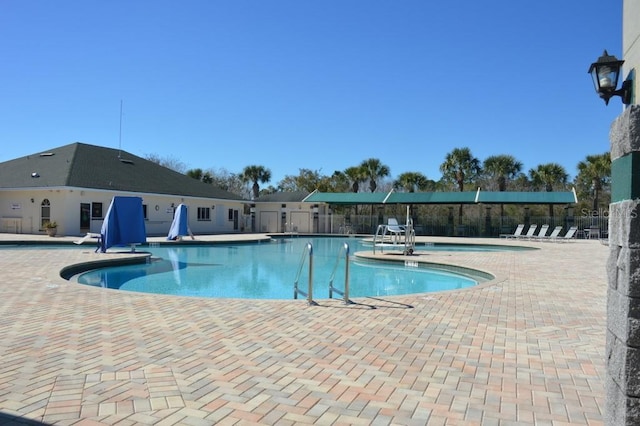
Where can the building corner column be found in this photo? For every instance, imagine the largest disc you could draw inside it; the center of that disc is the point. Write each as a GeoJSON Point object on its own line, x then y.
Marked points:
{"type": "Point", "coordinates": [622, 382]}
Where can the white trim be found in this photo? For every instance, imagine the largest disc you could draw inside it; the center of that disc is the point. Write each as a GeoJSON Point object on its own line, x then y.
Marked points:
{"type": "Point", "coordinates": [387, 197]}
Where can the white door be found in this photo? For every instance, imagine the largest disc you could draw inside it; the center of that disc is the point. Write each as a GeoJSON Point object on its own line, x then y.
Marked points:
{"type": "Point", "coordinates": [268, 222]}
{"type": "Point", "coordinates": [300, 221]}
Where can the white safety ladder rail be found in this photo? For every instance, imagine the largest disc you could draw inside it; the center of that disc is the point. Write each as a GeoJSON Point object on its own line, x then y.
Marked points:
{"type": "Point", "coordinates": [380, 232]}
{"type": "Point", "coordinates": [306, 253]}
{"type": "Point", "coordinates": [344, 293]}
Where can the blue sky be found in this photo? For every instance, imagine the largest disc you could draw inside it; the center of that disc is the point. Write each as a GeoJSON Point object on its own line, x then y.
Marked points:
{"type": "Point", "coordinates": [321, 85]}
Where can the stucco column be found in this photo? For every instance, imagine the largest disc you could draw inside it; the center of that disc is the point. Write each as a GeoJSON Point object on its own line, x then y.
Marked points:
{"type": "Point", "coordinates": [623, 269]}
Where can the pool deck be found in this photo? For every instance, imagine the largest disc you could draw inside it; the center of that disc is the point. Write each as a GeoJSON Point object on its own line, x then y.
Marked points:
{"type": "Point", "coordinates": [524, 349]}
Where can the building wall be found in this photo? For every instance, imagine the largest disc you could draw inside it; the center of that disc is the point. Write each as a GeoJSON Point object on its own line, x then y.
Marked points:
{"type": "Point", "coordinates": [273, 217]}
{"type": "Point", "coordinates": [622, 381]}
{"type": "Point", "coordinates": [631, 41]}
{"type": "Point", "coordinates": [20, 211]}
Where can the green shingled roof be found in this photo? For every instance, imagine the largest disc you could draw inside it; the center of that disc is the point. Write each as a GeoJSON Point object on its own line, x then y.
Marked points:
{"type": "Point", "coordinates": [94, 167]}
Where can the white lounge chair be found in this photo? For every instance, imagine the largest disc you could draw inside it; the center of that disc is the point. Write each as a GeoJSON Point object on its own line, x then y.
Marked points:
{"type": "Point", "coordinates": [542, 232]}
{"type": "Point", "coordinates": [554, 234]}
{"type": "Point", "coordinates": [568, 236]}
{"type": "Point", "coordinates": [530, 232]}
{"type": "Point", "coordinates": [86, 237]}
{"type": "Point", "coordinates": [516, 233]}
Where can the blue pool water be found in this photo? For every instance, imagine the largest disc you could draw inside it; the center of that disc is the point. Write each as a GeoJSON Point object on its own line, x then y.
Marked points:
{"type": "Point", "coordinates": [268, 271]}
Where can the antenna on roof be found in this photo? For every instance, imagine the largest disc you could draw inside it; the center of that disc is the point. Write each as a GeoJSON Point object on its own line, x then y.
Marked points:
{"type": "Point", "coordinates": [120, 132]}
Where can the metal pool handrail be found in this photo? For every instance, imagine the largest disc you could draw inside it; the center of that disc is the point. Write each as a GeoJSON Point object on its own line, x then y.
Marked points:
{"type": "Point", "coordinates": [306, 253]}
{"type": "Point", "coordinates": [345, 294]}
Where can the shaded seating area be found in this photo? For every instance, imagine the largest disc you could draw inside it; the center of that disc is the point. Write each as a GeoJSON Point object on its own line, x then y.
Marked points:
{"type": "Point", "coordinates": [478, 210]}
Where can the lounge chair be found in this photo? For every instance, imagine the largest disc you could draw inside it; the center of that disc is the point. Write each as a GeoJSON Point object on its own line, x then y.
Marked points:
{"type": "Point", "coordinates": [554, 234]}
{"type": "Point", "coordinates": [530, 232]}
{"type": "Point", "coordinates": [86, 237]}
{"type": "Point", "coordinates": [568, 236]}
{"type": "Point", "coordinates": [516, 233]}
{"type": "Point", "coordinates": [542, 232]}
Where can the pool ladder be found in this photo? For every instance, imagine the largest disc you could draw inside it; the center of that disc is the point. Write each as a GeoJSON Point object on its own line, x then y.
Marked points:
{"type": "Point", "coordinates": [307, 253]}
{"type": "Point", "coordinates": [344, 293]}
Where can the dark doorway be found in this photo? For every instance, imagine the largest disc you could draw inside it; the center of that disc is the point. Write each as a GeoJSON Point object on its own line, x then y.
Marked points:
{"type": "Point", "coordinates": [85, 217]}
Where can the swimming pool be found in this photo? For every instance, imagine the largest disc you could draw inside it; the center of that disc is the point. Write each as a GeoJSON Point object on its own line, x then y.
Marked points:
{"type": "Point", "coordinates": [268, 271]}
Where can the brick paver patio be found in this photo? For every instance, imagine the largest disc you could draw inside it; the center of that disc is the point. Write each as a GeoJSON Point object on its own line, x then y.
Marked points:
{"type": "Point", "coordinates": [526, 348]}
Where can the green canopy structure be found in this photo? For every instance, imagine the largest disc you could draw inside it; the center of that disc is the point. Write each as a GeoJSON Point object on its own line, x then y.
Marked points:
{"type": "Point", "coordinates": [466, 197]}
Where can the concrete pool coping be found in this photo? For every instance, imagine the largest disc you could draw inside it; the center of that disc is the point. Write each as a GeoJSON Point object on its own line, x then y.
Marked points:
{"type": "Point", "coordinates": [526, 349]}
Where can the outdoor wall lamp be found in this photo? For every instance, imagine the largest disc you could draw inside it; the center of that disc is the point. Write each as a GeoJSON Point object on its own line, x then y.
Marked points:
{"type": "Point", "coordinates": [605, 73]}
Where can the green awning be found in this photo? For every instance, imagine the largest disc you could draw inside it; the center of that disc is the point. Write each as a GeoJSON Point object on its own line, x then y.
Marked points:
{"type": "Point", "coordinates": [431, 198]}
{"type": "Point", "coordinates": [346, 197]}
{"type": "Point", "coordinates": [527, 197]}
{"type": "Point", "coordinates": [467, 197]}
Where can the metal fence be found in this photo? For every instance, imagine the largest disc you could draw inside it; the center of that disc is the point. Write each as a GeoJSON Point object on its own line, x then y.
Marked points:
{"type": "Point", "coordinates": [448, 225]}
{"type": "Point", "coordinates": [488, 226]}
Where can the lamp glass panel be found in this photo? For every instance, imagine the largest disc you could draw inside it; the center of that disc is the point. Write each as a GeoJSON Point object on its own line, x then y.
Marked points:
{"type": "Point", "coordinates": [608, 77]}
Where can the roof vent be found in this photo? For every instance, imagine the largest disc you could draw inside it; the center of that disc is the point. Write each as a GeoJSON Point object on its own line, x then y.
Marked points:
{"type": "Point", "coordinates": [123, 160]}
{"type": "Point", "coordinates": [47, 154]}
{"type": "Point", "coordinates": [35, 175]}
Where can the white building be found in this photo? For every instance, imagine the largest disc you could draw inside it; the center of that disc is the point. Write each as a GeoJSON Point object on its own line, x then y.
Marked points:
{"type": "Point", "coordinates": [74, 184]}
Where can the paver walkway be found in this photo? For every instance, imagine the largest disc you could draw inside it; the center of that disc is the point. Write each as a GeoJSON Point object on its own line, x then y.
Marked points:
{"type": "Point", "coordinates": [526, 348]}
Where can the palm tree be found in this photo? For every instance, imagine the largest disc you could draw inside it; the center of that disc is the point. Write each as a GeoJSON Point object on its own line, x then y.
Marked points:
{"type": "Point", "coordinates": [410, 181]}
{"type": "Point", "coordinates": [256, 174]}
{"type": "Point", "coordinates": [357, 176]}
{"type": "Point", "coordinates": [460, 167]}
{"type": "Point", "coordinates": [595, 172]}
{"type": "Point", "coordinates": [195, 173]}
{"type": "Point", "coordinates": [502, 168]}
{"type": "Point", "coordinates": [200, 175]}
{"type": "Point", "coordinates": [547, 176]}
{"type": "Point", "coordinates": [374, 170]}
{"type": "Point", "coordinates": [340, 182]}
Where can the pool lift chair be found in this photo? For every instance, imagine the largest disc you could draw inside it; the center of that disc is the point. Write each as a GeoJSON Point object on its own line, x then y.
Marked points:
{"type": "Point", "coordinates": [394, 229]}
{"type": "Point", "coordinates": [394, 232]}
